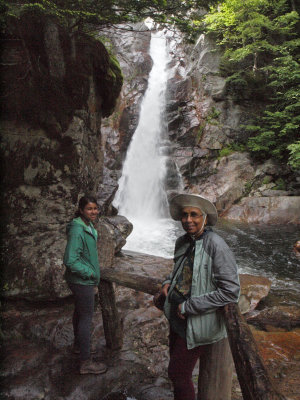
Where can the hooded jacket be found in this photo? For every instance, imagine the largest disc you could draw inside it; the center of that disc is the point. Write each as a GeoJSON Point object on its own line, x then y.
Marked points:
{"type": "Point", "coordinates": [81, 255]}
{"type": "Point", "coordinates": [215, 283]}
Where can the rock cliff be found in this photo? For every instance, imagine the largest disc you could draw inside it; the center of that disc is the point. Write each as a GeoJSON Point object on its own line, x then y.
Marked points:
{"type": "Point", "coordinates": [132, 49]}
{"type": "Point", "coordinates": [206, 127]}
{"type": "Point", "coordinates": [57, 89]}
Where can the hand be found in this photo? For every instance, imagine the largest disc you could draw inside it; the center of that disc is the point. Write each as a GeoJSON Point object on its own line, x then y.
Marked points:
{"type": "Point", "coordinates": [181, 316]}
{"type": "Point", "coordinates": [165, 289]}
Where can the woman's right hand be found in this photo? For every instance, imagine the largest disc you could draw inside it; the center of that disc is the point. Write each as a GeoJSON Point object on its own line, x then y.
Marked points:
{"type": "Point", "coordinates": [165, 289]}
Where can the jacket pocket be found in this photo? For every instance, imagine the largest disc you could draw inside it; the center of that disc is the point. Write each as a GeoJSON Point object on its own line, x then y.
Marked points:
{"type": "Point", "coordinates": [206, 328]}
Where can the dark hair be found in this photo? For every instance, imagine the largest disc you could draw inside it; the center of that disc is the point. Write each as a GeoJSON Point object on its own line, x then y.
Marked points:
{"type": "Point", "coordinates": [84, 200]}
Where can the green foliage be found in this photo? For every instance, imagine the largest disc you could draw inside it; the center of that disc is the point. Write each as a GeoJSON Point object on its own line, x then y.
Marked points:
{"type": "Point", "coordinates": [294, 159]}
{"type": "Point", "coordinates": [267, 179]}
{"type": "Point", "coordinates": [248, 188]}
{"type": "Point", "coordinates": [212, 116]}
{"type": "Point", "coordinates": [231, 148]}
{"type": "Point", "coordinates": [85, 15]}
{"type": "Point", "coordinates": [279, 185]}
{"type": "Point", "coordinates": [261, 61]}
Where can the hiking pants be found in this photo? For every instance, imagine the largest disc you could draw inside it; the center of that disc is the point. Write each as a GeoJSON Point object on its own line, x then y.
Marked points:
{"type": "Point", "coordinates": [82, 317]}
{"type": "Point", "coordinates": [181, 366]}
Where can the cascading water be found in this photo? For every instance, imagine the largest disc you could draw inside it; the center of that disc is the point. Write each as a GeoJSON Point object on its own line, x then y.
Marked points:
{"type": "Point", "coordinates": [141, 196]}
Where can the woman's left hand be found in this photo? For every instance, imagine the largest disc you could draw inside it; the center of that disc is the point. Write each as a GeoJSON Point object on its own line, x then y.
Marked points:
{"type": "Point", "coordinates": [181, 316]}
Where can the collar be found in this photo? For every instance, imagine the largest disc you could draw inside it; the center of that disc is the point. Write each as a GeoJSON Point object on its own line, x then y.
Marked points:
{"type": "Point", "coordinates": [192, 238]}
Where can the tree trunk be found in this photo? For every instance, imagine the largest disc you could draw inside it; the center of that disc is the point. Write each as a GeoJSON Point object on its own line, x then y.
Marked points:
{"type": "Point", "coordinates": [112, 324]}
{"type": "Point", "coordinates": [215, 372]}
{"type": "Point", "coordinates": [253, 376]}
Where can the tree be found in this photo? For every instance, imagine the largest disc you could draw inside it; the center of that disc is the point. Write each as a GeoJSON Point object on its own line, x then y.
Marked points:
{"type": "Point", "coordinates": [88, 14]}
{"type": "Point", "coordinates": [261, 45]}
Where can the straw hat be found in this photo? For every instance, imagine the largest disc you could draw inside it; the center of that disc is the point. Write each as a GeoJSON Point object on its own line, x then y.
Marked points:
{"type": "Point", "coordinates": [177, 203]}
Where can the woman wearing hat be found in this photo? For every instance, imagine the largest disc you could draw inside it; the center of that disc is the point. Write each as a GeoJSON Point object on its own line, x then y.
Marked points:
{"type": "Point", "coordinates": [203, 280]}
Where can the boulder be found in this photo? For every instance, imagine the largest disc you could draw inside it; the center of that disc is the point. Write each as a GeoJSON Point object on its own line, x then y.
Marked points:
{"type": "Point", "coordinates": [253, 289]}
{"type": "Point", "coordinates": [280, 352]}
{"type": "Point", "coordinates": [119, 228]}
{"type": "Point", "coordinates": [278, 318]}
{"type": "Point", "coordinates": [225, 183]}
{"type": "Point", "coordinates": [270, 210]}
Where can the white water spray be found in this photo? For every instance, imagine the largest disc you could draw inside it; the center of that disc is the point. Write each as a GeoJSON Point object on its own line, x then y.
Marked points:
{"type": "Point", "coordinates": [141, 196]}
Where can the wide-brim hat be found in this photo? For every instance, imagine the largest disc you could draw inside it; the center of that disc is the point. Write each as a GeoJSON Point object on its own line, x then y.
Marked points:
{"type": "Point", "coordinates": [178, 202]}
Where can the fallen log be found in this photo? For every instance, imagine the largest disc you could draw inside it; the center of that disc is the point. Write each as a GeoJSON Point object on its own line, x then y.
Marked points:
{"type": "Point", "coordinates": [131, 280]}
{"type": "Point", "coordinates": [253, 376]}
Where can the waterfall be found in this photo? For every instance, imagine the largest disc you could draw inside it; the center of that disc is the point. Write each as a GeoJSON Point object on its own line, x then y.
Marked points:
{"type": "Point", "coordinates": [141, 196]}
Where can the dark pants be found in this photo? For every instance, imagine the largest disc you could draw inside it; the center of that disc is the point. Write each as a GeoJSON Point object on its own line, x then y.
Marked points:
{"type": "Point", "coordinates": [82, 318]}
{"type": "Point", "coordinates": [181, 366]}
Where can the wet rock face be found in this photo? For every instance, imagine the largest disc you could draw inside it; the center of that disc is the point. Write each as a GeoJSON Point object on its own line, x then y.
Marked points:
{"type": "Point", "coordinates": [278, 210]}
{"type": "Point", "coordinates": [203, 123]}
{"type": "Point", "coordinates": [51, 145]}
{"type": "Point", "coordinates": [132, 50]}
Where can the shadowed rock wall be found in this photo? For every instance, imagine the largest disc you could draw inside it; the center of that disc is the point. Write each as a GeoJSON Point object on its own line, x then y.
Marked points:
{"type": "Point", "coordinates": [57, 88]}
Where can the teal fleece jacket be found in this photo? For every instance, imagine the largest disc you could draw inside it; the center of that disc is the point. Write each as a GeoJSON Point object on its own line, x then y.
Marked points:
{"type": "Point", "coordinates": [81, 255]}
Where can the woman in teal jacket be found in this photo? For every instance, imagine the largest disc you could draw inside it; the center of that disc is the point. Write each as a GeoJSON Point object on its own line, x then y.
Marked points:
{"type": "Point", "coordinates": [83, 276]}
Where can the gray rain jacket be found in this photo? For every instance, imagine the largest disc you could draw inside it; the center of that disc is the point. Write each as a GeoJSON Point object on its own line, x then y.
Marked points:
{"type": "Point", "coordinates": [215, 283]}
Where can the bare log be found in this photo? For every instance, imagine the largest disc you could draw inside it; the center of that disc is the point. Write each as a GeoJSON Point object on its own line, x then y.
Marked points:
{"type": "Point", "coordinates": [134, 281]}
{"type": "Point", "coordinates": [215, 372]}
{"type": "Point", "coordinates": [253, 376]}
{"type": "Point", "coordinates": [112, 324]}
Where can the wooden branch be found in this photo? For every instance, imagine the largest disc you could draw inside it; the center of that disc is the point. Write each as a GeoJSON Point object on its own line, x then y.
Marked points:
{"type": "Point", "coordinates": [215, 372]}
{"type": "Point", "coordinates": [253, 376]}
{"type": "Point", "coordinates": [112, 324]}
{"type": "Point", "coordinates": [134, 281]}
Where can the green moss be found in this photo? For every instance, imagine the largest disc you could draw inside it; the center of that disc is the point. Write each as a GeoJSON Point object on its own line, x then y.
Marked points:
{"type": "Point", "coordinates": [213, 116]}
{"type": "Point", "coordinates": [231, 148]}
{"type": "Point", "coordinates": [248, 188]}
{"type": "Point", "coordinates": [280, 185]}
{"type": "Point", "coordinates": [267, 179]}
{"type": "Point", "coordinates": [226, 151]}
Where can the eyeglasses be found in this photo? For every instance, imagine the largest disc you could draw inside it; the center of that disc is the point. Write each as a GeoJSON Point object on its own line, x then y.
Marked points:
{"type": "Point", "coordinates": [192, 215]}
